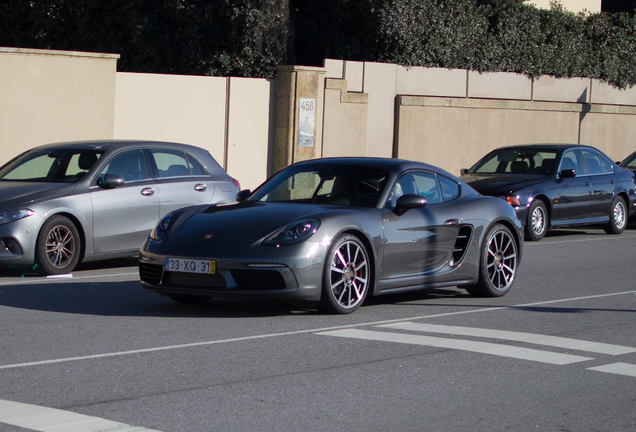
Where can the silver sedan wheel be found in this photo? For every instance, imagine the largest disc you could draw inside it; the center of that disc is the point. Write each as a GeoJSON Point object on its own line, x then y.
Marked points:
{"type": "Point", "coordinates": [347, 275]}
{"type": "Point", "coordinates": [501, 261]}
{"type": "Point", "coordinates": [60, 246]}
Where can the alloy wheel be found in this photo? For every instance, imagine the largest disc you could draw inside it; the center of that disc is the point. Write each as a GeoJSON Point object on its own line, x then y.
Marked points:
{"type": "Point", "coordinates": [349, 274]}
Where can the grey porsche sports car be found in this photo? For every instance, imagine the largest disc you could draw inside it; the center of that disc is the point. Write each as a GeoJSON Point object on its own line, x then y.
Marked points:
{"type": "Point", "coordinates": [334, 231]}
{"type": "Point", "coordinates": [66, 202]}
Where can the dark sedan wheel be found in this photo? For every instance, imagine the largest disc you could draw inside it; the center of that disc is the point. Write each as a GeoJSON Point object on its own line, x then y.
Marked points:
{"type": "Point", "coordinates": [618, 217]}
{"type": "Point", "coordinates": [498, 263]}
{"type": "Point", "coordinates": [537, 223]}
{"type": "Point", "coordinates": [346, 277]}
{"type": "Point", "coordinates": [58, 246]}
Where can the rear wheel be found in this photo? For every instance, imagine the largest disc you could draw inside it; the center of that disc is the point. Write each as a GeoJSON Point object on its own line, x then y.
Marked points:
{"type": "Point", "coordinates": [346, 277]}
{"type": "Point", "coordinates": [618, 217]}
{"type": "Point", "coordinates": [498, 263]}
{"type": "Point", "coordinates": [537, 223]}
{"type": "Point", "coordinates": [58, 246]}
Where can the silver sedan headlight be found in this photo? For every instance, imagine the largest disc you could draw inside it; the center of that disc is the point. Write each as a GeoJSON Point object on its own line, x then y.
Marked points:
{"type": "Point", "coordinates": [14, 215]}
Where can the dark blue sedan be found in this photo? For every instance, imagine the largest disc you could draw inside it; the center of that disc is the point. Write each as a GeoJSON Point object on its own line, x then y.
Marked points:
{"type": "Point", "coordinates": [557, 185]}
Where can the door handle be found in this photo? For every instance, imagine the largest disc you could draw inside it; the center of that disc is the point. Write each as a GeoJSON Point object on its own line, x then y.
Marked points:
{"type": "Point", "coordinates": [452, 222]}
{"type": "Point", "coordinates": [147, 191]}
{"type": "Point", "coordinates": [200, 187]}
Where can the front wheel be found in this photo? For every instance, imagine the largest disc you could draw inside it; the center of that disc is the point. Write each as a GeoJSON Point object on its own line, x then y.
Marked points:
{"type": "Point", "coordinates": [346, 277]}
{"type": "Point", "coordinates": [498, 260]}
{"type": "Point", "coordinates": [618, 217]}
{"type": "Point", "coordinates": [58, 246]}
{"type": "Point", "coordinates": [537, 223]}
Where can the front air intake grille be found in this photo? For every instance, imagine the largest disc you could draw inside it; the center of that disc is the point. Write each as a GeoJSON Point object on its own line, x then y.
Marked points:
{"type": "Point", "coordinates": [211, 282]}
{"type": "Point", "coordinates": [150, 273]}
{"type": "Point", "coordinates": [258, 280]}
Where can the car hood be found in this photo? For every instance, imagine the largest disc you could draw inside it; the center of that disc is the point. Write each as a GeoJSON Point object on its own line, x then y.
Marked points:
{"type": "Point", "coordinates": [501, 184]}
{"type": "Point", "coordinates": [245, 223]}
{"type": "Point", "coordinates": [17, 194]}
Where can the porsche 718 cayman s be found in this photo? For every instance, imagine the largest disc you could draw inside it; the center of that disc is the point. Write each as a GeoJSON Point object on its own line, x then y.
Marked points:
{"type": "Point", "coordinates": [335, 231]}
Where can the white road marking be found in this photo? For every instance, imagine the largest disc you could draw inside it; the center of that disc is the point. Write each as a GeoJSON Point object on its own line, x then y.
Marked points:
{"type": "Point", "coordinates": [462, 345]}
{"type": "Point", "coordinates": [617, 369]}
{"type": "Point", "coordinates": [297, 332]}
{"type": "Point", "coordinates": [537, 339]}
{"type": "Point", "coordinates": [43, 419]}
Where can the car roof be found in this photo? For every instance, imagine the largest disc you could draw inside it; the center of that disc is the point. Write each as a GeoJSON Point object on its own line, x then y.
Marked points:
{"type": "Point", "coordinates": [114, 143]}
{"type": "Point", "coordinates": [389, 164]}
{"type": "Point", "coordinates": [548, 146]}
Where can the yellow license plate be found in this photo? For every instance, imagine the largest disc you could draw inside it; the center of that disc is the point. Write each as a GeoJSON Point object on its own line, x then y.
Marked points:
{"type": "Point", "coordinates": [190, 266]}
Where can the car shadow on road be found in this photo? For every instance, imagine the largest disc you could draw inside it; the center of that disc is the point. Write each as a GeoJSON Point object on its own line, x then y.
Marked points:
{"type": "Point", "coordinates": [128, 298]}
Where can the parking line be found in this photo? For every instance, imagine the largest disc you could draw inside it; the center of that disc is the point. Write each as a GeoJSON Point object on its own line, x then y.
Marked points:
{"type": "Point", "coordinates": [537, 339]}
{"type": "Point", "coordinates": [462, 345]}
{"type": "Point", "coordinates": [43, 419]}
{"type": "Point", "coordinates": [617, 369]}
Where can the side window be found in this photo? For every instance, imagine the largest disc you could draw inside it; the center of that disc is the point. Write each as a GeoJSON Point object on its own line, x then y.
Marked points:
{"type": "Point", "coordinates": [596, 164]}
{"type": "Point", "coordinates": [572, 160]}
{"type": "Point", "coordinates": [171, 163]}
{"type": "Point", "coordinates": [450, 189]}
{"type": "Point", "coordinates": [195, 167]}
{"type": "Point", "coordinates": [423, 184]}
{"type": "Point", "coordinates": [130, 165]}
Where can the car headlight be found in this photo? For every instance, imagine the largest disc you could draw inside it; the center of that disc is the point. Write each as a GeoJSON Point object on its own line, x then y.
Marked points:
{"type": "Point", "coordinates": [14, 215]}
{"type": "Point", "coordinates": [293, 233]}
{"type": "Point", "coordinates": [160, 229]}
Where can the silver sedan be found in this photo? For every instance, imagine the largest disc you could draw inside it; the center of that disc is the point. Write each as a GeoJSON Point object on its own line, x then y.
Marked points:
{"type": "Point", "coordinates": [69, 202]}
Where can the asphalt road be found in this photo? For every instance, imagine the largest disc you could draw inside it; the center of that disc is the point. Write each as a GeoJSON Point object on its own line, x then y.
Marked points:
{"type": "Point", "coordinates": [96, 352]}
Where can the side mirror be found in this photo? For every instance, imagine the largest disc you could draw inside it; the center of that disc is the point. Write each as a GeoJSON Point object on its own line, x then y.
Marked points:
{"type": "Point", "coordinates": [110, 181]}
{"type": "Point", "coordinates": [568, 173]}
{"type": "Point", "coordinates": [463, 171]}
{"type": "Point", "coordinates": [242, 195]}
{"type": "Point", "coordinates": [408, 202]}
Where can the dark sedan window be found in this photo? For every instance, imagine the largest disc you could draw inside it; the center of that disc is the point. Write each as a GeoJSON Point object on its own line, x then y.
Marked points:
{"type": "Point", "coordinates": [596, 164]}
{"type": "Point", "coordinates": [349, 186]}
{"type": "Point", "coordinates": [630, 161]}
{"type": "Point", "coordinates": [516, 161]}
{"type": "Point", "coordinates": [53, 165]}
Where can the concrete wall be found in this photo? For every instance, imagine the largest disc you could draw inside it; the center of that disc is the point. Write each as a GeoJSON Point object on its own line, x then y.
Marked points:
{"type": "Point", "coordinates": [48, 96]}
{"type": "Point", "coordinates": [230, 117]}
{"type": "Point", "coordinates": [451, 118]}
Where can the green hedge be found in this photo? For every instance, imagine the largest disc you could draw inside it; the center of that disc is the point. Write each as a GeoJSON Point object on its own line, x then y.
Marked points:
{"type": "Point", "coordinates": [483, 35]}
{"type": "Point", "coordinates": [252, 37]}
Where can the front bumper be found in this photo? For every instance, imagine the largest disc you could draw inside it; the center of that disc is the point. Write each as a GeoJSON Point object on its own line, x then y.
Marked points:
{"type": "Point", "coordinates": [292, 272]}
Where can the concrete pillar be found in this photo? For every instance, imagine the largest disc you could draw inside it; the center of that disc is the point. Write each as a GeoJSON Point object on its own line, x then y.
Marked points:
{"type": "Point", "coordinates": [299, 114]}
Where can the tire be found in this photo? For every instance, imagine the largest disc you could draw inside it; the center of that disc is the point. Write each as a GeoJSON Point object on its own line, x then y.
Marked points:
{"type": "Point", "coordinates": [346, 277]}
{"type": "Point", "coordinates": [498, 262]}
{"type": "Point", "coordinates": [538, 221]}
{"type": "Point", "coordinates": [190, 299]}
{"type": "Point", "coordinates": [618, 217]}
{"type": "Point", "coordinates": [58, 246]}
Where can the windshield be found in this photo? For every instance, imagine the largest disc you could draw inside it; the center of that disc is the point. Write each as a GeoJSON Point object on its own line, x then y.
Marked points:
{"type": "Point", "coordinates": [630, 161]}
{"type": "Point", "coordinates": [52, 165]}
{"type": "Point", "coordinates": [516, 161]}
{"type": "Point", "coordinates": [341, 185]}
